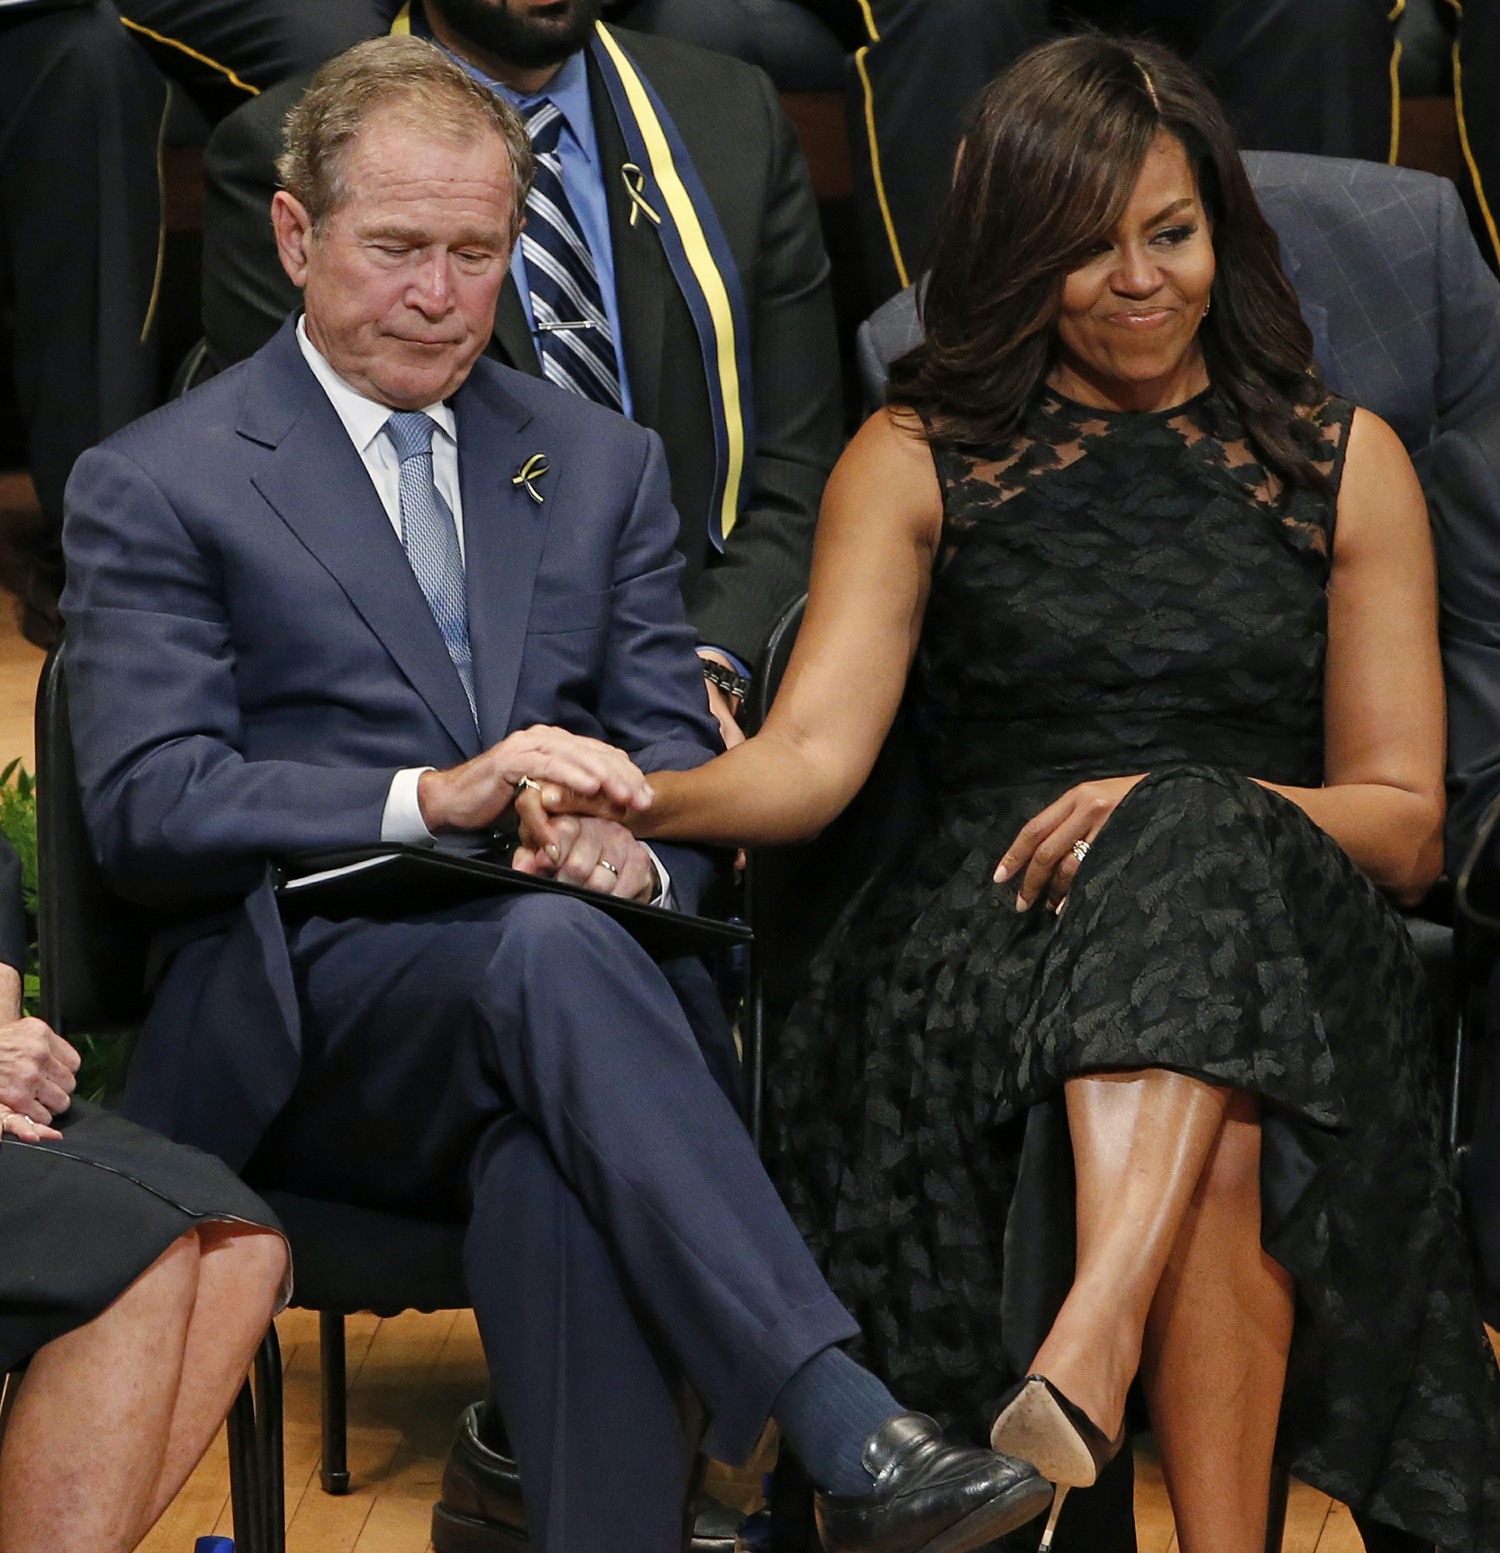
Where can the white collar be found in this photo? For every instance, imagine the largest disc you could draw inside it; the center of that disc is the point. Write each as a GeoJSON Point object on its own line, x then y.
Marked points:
{"type": "Point", "coordinates": [364, 419]}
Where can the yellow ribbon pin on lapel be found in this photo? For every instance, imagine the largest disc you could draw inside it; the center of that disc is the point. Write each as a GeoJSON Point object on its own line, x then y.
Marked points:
{"type": "Point", "coordinates": [532, 470]}
{"type": "Point", "coordinates": [635, 182]}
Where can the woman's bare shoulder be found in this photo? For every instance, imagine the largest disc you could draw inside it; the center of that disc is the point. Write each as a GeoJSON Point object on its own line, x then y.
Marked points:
{"type": "Point", "coordinates": [1378, 474]}
{"type": "Point", "coordinates": [887, 471]}
{"type": "Point", "coordinates": [1380, 500]}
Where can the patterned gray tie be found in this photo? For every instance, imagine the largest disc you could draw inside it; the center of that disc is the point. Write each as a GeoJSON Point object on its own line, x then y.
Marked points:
{"type": "Point", "coordinates": [430, 539]}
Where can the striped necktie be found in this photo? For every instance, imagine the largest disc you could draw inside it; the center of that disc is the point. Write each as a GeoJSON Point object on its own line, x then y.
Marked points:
{"type": "Point", "coordinates": [574, 343]}
{"type": "Point", "coordinates": [430, 538]}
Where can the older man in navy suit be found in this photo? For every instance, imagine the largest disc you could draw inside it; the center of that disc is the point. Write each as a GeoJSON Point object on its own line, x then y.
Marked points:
{"type": "Point", "coordinates": [356, 589]}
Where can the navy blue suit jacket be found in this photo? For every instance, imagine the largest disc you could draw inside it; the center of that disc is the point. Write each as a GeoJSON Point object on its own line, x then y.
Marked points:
{"type": "Point", "coordinates": [1405, 320]}
{"type": "Point", "coordinates": [251, 660]}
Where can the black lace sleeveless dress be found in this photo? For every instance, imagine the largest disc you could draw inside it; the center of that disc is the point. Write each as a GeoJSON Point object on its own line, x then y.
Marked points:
{"type": "Point", "coordinates": [1119, 593]}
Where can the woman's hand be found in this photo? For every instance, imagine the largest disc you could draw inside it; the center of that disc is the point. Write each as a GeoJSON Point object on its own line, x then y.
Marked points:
{"type": "Point", "coordinates": [549, 813]}
{"type": "Point", "coordinates": [37, 1069]}
{"type": "Point", "coordinates": [472, 796]}
{"type": "Point", "coordinates": [1043, 847]}
{"type": "Point", "coordinates": [595, 853]}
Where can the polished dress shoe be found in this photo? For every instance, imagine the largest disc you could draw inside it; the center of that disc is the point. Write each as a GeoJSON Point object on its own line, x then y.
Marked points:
{"type": "Point", "coordinates": [930, 1496]}
{"type": "Point", "coordinates": [482, 1511]}
{"type": "Point", "coordinates": [1037, 1422]}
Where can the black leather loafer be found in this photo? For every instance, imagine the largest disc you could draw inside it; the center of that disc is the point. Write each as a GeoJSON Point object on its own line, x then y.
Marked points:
{"type": "Point", "coordinates": [482, 1510]}
{"type": "Point", "coordinates": [930, 1496]}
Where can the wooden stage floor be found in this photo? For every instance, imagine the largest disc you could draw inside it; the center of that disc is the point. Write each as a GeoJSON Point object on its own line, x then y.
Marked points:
{"type": "Point", "coordinates": [20, 662]}
{"type": "Point", "coordinates": [408, 1380]}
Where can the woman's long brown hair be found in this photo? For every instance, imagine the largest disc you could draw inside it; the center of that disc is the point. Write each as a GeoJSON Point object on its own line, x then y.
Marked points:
{"type": "Point", "coordinates": [1049, 162]}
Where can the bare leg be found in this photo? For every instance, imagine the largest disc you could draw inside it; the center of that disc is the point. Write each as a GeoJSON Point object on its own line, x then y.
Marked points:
{"type": "Point", "coordinates": [1172, 1279]}
{"type": "Point", "coordinates": [1215, 1352]}
{"type": "Point", "coordinates": [112, 1417]}
{"type": "Point", "coordinates": [1140, 1142]}
{"type": "Point", "coordinates": [240, 1270]}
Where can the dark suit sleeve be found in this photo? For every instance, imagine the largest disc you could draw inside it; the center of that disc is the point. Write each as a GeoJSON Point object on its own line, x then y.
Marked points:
{"type": "Point", "coordinates": [12, 911]}
{"type": "Point", "coordinates": [175, 810]}
{"type": "Point", "coordinates": [651, 701]}
{"type": "Point", "coordinates": [246, 293]}
{"type": "Point", "coordinates": [1463, 492]}
{"type": "Point", "coordinates": [798, 412]}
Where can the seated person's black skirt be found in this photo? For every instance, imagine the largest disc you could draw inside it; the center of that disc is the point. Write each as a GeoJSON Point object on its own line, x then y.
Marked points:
{"type": "Point", "coordinates": [83, 1217]}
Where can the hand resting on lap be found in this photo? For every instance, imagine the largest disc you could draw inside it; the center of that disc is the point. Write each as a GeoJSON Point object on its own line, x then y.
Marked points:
{"type": "Point", "coordinates": [597, 853]}
{"type": "Point", "coordinates": [1044, 845]}
{"type": "Point", "coordinates": [37, 1069]}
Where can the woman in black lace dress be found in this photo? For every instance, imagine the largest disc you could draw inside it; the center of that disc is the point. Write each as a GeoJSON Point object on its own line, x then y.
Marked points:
{"type": "Point", "coordinates": [1167, 613]}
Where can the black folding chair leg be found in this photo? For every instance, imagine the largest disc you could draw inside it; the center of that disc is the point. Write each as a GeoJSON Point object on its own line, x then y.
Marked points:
{"type": "Point", "coordinates": [1454, 1128]}
{"type": "Point", "coordinates": [1281, 1483]}
{"type": "Point", "coordinates": [246, 1489]}
{"type": "Point", "coordinates": [334, 1471]}
{"type": "Point", "coordinates": [256, 1475]}
{"type": "Point", "coordinates": [269, 1442]}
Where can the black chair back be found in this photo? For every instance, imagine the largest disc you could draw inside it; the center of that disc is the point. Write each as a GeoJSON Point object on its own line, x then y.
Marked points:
{"type": "Point", "coordinates": [794, 894]}
{"type": "Point", "coordinates": [92, 944]}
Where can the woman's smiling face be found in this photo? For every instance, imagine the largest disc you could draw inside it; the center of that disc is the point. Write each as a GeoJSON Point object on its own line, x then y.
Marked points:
{"type": "Point", "coordinates": [1127, 332]}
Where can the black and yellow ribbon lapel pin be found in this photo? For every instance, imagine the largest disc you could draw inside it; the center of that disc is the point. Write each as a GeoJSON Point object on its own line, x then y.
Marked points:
{"type": "Point", "coordinates": [635, 183]}
{"type": "Point", "coordinates": [529, 473]}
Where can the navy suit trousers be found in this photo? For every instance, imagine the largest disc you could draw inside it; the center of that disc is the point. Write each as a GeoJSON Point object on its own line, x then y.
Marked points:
{"type": "Point", "coordinates": [522, 1063]}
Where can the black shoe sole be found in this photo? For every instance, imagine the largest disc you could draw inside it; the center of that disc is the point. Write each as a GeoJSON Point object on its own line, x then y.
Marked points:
{"type": "Point", "coordinates": [983, 1525]}
{"type": "Point", "coordinates": [453, 1532]}
{"type": "Point", "coordinates": [992, 1520]}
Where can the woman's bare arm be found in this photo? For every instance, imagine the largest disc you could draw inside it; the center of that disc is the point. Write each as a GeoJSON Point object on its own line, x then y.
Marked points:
{"type": "Point", "coordinates": [1383, 712]}
{"type": "Point", "coordinates": [877, 532]}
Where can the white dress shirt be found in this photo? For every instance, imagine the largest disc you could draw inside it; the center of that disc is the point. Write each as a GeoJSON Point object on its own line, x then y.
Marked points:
{"type": "Point", "coordinates": [364, 419]}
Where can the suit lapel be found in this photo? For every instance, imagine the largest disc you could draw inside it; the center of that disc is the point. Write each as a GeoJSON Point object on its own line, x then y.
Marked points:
{"type": "Point", "coordinates": [350, 534]}
{"type": "Point", "coordinates": [643, 278]}
{"type": "Point", "coordinates": [513, 333]}
{"type": "Point", "coordinates": [504, 530]}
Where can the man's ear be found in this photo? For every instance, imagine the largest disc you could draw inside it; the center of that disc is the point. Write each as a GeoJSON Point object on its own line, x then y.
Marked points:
{"type": "Point", "coordinates": [294, 235]}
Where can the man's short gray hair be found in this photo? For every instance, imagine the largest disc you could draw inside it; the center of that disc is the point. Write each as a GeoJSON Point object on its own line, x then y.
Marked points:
{"type": "Point", "coordinates": [414, 81]}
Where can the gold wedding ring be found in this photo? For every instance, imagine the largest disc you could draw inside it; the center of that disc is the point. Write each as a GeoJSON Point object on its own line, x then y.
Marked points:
{"type": "Point", "coordinates": [1080, 850]}
{"type": "Point", "coordinates": [605, 863]}
{"type": "Point", "coordinates": [526, 785]}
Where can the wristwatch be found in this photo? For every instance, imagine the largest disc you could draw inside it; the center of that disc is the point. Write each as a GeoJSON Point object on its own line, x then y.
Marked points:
{"type": "Point", "coordinates": [735, 686]}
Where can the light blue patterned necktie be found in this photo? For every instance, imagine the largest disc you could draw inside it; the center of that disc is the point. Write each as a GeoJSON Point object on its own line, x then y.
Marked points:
{"type": "Point", "coordinates": [430, 539]}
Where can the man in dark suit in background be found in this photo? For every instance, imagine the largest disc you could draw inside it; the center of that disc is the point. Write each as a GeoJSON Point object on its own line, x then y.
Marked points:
{"type": "Point", "coordinates": [223, 52]}
{"type": "Point", "coordinates": [1294, 77]}
{"type": "Point", "coordinates": [359, 588]}
{"type": "Point", "coordinates": [81, 113]}
{"type": "Point", "coordinates": [747, 513]}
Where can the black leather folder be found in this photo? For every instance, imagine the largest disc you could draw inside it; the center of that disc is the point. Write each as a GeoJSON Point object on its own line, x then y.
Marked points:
{"type": "Point", "coordinates": [403, 881]}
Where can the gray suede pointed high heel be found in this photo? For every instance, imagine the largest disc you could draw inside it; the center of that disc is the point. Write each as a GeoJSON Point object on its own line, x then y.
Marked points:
{"type": "Point", "coordinates": [1039, 1424]}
